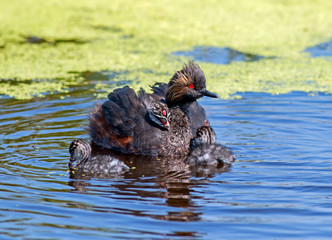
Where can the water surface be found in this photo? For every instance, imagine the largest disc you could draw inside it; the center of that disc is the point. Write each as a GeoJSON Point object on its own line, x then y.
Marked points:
{"type": "Point", "coordinates": [321, 50]}
{"type": "Point", "coordinates": [279, 187]}
{"type": "Point", "coordinates": [218, 55]}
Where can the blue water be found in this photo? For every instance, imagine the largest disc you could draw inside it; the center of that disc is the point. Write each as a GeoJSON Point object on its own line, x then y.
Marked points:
{"type": "Point", "coordinates": [218, 55]}
{"type": "Point", "coordinates": [321, 49]}
{"type": "Point", "coordinates": [279, 187]}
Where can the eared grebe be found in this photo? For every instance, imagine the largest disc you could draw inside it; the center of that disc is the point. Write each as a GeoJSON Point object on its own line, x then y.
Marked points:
{"type": "Point", "coordinates": [134, 129]}
{"type": "Point", "coordinates": [184, 88]}
{"type": "Point", "coordinates": [123, 123]}
{"type": "Point", "coordinates": [205, 151]}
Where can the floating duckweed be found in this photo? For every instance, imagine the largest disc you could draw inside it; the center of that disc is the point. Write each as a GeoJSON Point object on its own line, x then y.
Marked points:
{"type": "Point", "coordinates": [43, 53]}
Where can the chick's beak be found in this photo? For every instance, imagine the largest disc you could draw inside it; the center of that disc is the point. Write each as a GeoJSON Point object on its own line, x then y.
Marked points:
{"type": "Point", "coordinates": [207, 93]}
{"type": "Point", "coordinates": [166, 125]}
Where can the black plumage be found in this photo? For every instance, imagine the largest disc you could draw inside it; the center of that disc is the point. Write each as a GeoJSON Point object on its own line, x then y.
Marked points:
{"type": "Point", "coordinates": [121, 122]}
{"type": "Point", "coordinates": [205, 151]}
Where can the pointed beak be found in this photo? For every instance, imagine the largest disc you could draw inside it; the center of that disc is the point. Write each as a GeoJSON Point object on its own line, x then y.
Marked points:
{"type": "Point", "coordinates": [166, 125]}
{"type": "Point", "coordinates": [207, 93]}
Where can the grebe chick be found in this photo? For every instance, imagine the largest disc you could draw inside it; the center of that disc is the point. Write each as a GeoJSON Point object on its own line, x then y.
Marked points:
{"type": "Point", "coordinates": [205, 150]}
{"type": "Point", "coordinates": [81, 159]}
{"type": "Point", "coordinates": [157, 111]}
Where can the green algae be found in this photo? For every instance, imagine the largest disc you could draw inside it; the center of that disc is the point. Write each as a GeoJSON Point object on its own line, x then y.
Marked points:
{"type": "Point", "coordinates": [136, 39]}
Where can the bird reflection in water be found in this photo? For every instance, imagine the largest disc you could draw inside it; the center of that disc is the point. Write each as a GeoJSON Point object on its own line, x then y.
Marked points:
{"type": "Point", "coordinates": [170, 179]}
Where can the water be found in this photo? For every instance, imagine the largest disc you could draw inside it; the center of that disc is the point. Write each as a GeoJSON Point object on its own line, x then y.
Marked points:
{"type": "Point", "coordinates": [280, 186]}
{"type": "Point", "coordinates": [219, 55]}
{"type": "Point", "coordinates": [320, 50]}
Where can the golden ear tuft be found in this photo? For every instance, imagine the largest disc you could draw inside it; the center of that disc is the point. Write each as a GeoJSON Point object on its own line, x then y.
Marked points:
{"type": "Point", "coordinates": [183, 79]}
{"type": "Point", "coordinates": [180, 82]}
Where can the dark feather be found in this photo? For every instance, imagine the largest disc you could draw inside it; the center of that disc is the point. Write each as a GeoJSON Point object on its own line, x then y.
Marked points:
{"type": "Point", "coordinates": [121, 122]}
{"type": "Point", "coordinates": [160, 89]}
{"type": "Point", "coordinates": [122, 110]}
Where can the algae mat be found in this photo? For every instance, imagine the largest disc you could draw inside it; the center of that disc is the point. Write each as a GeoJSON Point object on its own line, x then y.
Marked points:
{"type": "Point", "coordinates": [47, 46]}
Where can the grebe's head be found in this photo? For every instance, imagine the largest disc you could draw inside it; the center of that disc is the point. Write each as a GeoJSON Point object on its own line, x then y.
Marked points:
{"type": "Point", "coordinates": [204, 135]}
{"type": "Point", "coordinates": [159, 114]}
{"type": "Point", "coordinates": [187, 85]}
{"type": "Point", "coordinates": [80, 151]}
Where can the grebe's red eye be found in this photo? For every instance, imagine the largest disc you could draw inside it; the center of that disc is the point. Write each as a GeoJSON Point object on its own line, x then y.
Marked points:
{"type": "Point", "coordinates": [191, 86]}
{"type": "Point", "coordinates": [164, 112]}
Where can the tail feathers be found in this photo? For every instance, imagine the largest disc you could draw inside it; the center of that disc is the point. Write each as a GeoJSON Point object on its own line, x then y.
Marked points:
{"type": "Point", "coordinates": [102, 133]}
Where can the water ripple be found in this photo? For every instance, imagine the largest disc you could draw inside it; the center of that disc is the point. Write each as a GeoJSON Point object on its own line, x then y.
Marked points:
{"type": "Point", "coordinates": [279, 187]}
